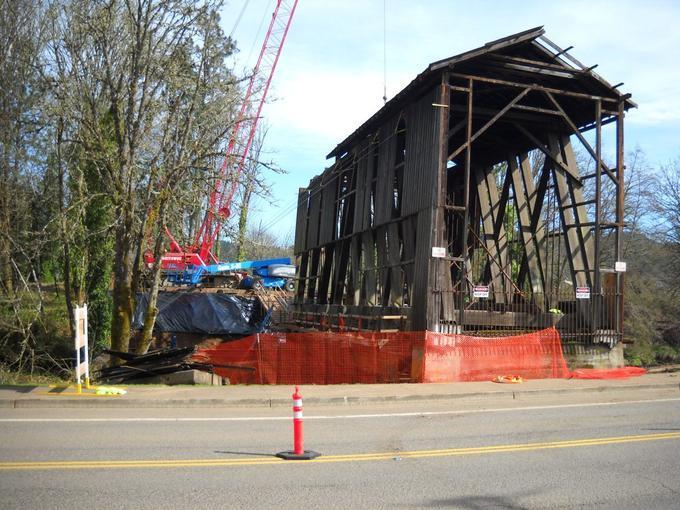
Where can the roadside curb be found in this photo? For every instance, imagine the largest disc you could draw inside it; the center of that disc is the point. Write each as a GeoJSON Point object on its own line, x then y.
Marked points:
{"type": "Point", "coordinates": [127, 402]}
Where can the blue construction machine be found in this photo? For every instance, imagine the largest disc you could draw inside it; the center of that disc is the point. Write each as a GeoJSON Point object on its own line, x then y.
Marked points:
{"type": "Point", "coordinates": [250, 274]}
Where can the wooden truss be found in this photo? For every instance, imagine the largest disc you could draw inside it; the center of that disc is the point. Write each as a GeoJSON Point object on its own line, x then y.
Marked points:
{"type": "Point", "coordinates": [437, 195]}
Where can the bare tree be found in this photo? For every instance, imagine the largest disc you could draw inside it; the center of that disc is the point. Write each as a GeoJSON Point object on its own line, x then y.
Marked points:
{"type": "Point", "coordinates": [197, 119]}
{"type": "Point", "coordinates": [22, 36]}
{"type": "Point", "coordinates": [253, 183]}
{"type": "Point", "coordinates": [145, 93]}
{"type": "Point", "coordinates": [666, 204]}
{"type": "Point", "coordinates": [260, 243]}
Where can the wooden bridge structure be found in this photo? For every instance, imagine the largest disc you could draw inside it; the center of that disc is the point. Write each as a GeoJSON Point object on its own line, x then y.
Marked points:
{"type": "Point", "coordinates": [477, 199]}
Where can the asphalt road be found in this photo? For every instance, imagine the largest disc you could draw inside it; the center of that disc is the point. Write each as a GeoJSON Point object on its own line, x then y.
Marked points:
{"type": "Point", "coordinates": [559, 453]}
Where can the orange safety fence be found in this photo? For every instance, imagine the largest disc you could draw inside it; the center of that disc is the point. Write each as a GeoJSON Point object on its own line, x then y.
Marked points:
{"type": "Point", "coordinates": [607, 373]}
{"type": "Point", "coordinates": [367, 357]}
{"type": "Point", "coordinates": [450, 358]}
{"type": "Point", "coordinates": [314, 358]}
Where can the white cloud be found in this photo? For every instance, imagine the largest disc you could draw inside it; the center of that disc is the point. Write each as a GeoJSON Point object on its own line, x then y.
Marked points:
{"type": "Point", "coordinates": [330, 103]}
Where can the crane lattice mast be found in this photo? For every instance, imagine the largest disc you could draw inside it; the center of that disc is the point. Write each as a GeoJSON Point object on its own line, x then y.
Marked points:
{"type": "Point", "coordinates": [222, 196]}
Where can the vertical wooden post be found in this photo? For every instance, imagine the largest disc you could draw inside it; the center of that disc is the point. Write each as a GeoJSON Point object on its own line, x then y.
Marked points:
{"type": "Point", "coordinates": [466, 205]}
{"type": "Point", "coordinates": [620, 187]}
{"type": "Point", "coordinates": [597, 291]}
{"type": "Point", "coordinates": [436, 294]}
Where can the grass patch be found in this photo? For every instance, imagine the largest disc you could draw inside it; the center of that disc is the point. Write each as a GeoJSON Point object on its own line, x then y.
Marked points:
{"type": "Point", "coordinates": [13, 378]}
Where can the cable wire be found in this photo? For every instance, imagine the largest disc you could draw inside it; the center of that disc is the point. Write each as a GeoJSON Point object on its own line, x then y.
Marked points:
{"type": "Point", "coordinates": [238, 19]}
{"type": "Point", "coordinates": [384, 51]}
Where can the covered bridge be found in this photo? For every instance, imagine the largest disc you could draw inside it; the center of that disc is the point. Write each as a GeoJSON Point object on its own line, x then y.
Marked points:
{"type": "Point", "coordinates": [462, 204]}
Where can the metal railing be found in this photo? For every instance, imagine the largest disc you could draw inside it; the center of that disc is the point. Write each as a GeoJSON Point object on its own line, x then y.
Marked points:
{"type": "Point", "coordinates": [580, 317]}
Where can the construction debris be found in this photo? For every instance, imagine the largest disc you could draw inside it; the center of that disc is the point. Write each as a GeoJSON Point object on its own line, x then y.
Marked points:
{"type": "Point", "coordinates": [207, 313]}
{"type": "Point", "coordinates": [141, 368]}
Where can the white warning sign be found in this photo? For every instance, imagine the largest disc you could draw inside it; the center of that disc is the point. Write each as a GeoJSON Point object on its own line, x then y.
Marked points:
{"type": "Point", "coordinates": [582, 292]}
{"type": "Point", "coordinates": [480, 291]}
{"type": "Point", "coordinates": [438, 252]}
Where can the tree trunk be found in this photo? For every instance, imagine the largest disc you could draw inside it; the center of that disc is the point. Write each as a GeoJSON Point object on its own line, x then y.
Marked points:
{"type": "Point", "coordinates": [6, 273]}
{"type": "Point", "coordinates": [123, 298]}
{"type": "Point", "coordinates": [151, 309]}
{"type": "Point", "coordinates": [64, 233]}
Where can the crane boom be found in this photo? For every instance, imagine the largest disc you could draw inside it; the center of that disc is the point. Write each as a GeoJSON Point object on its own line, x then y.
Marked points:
{"type": "Point", "coordinates": [245, 127]}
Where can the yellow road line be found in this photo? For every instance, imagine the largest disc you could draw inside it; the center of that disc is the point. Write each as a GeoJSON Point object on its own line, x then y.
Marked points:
{"type": "Point", "coordinates": [450, 452]}
{"type": "Point", "coordinates": [69, 394]}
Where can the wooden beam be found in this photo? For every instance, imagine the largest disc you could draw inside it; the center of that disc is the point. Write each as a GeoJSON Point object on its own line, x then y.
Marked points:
{"type": "Point", "coordinates": [523, 186]}
{"type": "Point", "coordinates": [580, 213]}
{"type": "Point", "coordinates": [466, 203]}
{"type": "Point", "coordinates": [494, 239]}
{"type": "Point", "coordinates": [490, 123]}
{"type": "Point", "coordinates": [313, 279]}
{"type": "Point", "coordinates": [531, 62]}
{"type": "Point", "coordinates": [545, 150]}
{"type": "Point", "coordinates": [527, 69]}
{"type": "Point", "coordinates": [322, 296]}
{"type": "Point", "coordinates": [396, 284]}
{"type": "Point", "coordinates": [355, 265]}
{"type": "Point", "coordinates": [533, 87]}
{"type": "Point", "coordinates": [576, 256]}
{"type": "Point", "coordinates": [369, 274]}
{"type": "Point", "coordinates": [514, 115]}
{"type": "Point", "coordinates": [578, 134]}
{"type": "Point", "coordinates": [383, 262]}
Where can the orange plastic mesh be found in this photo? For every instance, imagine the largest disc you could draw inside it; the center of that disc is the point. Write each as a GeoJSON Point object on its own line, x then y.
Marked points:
{"type": "Point", "coordinates": [449, 358]}
{"type": "Point", "coordinates": [366, 357]}
{"type": "Point", "coordinates": [607, 373]}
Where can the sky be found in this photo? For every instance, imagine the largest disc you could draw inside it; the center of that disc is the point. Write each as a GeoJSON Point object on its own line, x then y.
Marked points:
{"type": "Point", "coordinates": [340, 54]}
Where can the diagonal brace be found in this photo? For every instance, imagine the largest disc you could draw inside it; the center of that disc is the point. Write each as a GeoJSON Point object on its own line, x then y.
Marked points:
{"type": "Point", "coordinates": [490, 123]}
{"type": "Point", "coordinates": [540, 146]}
{"type": "Point", "coordinates": [585, 143]}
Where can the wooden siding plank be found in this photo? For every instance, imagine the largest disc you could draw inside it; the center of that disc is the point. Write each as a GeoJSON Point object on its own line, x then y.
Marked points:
{"type": "Point", "coordinates": [313, 275]}
{"type": "Point", "coordinates": [385, 185]}
{"type": "Point", "coordinates": [420, 292]}
{"type": "Point", "coordinates": [409, 234]}
{"type": "Point", "coordinates": [301, 221]}
{"type": "Point", "coordinates": [340, 255]}
{"type": "Point", "coordinates": [312, 237]}
{"type": "Point", "coordinates": [329, 193]}
{"type": "Point", "coordinates": [420, 166]}
{"type": "Point", "coordinates": [362, 159]}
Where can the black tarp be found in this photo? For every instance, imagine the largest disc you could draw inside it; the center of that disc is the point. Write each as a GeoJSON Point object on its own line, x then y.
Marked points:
{"type": "Point", "coordinates": [203, 313]}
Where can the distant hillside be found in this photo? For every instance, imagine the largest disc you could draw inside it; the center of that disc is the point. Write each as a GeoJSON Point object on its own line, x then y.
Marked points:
{"type": "Point", "coordinates": [652, 302]}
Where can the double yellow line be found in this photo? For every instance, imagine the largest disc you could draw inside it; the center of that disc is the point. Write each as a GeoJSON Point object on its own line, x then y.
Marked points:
{"type": "Point", "coordinates": [450, 452]}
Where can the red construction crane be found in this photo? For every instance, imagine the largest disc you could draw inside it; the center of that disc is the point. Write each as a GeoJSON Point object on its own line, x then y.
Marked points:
{"type": "Point", "coordinates": [219, 204]}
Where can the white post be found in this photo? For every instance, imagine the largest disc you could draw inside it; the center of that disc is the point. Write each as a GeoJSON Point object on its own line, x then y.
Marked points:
{"type": "Point", "coordinates": [82, 354]}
